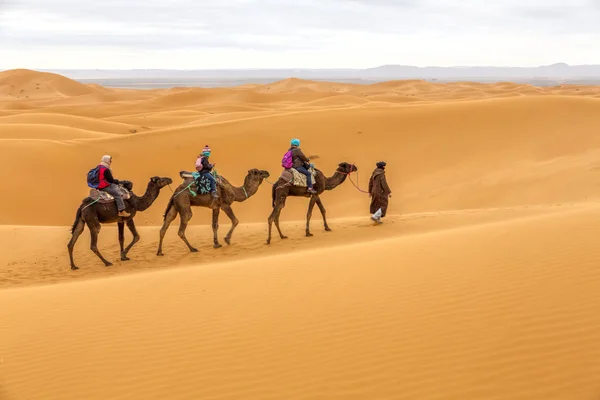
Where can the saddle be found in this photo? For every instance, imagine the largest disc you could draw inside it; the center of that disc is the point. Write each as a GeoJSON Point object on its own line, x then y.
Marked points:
{"type": "Point", "coordinates": [105, 198]}
{"type": "Point", "coordinates": [295, 178]}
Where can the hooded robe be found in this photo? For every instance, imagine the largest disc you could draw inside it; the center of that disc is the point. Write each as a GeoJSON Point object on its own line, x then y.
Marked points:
{"type": "Point", "coordinates": [380, 191]}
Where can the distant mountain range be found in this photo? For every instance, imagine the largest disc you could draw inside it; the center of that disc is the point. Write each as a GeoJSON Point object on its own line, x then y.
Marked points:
{"type": "Point", "coordinates": [385, 72]}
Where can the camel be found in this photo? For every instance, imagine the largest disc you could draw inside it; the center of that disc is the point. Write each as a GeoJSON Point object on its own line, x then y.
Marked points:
{"type": "Point", "coordinates": [282, 189]}
{"type": "Point", "coordinates": [94, 213]}
{"type": "Point", "coordinates": [182, 201]}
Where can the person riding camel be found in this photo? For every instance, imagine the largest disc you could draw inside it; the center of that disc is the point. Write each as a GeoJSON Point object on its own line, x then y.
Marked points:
{"type": "Point", "coordinates": [301, 163]}
{"type": "Point", "coordinates": [109, 184]}
{"type": "Point", "coordinates": [204, 167]}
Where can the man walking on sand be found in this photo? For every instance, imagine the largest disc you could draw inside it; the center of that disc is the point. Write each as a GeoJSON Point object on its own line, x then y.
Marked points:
{"type": "Point", "coordinates": [379, 191]}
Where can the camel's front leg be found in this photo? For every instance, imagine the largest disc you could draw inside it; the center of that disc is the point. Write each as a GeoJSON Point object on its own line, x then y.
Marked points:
{"type": "Point", "coordinates": [323, 212]}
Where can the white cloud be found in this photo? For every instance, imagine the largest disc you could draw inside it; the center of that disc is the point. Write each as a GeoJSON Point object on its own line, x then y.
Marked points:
{"type": "Point", "coordinates": [302, 33]}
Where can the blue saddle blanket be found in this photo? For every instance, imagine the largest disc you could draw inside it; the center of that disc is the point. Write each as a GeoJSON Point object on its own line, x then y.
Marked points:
{"type": "Point", "coordinates": [202, 182]}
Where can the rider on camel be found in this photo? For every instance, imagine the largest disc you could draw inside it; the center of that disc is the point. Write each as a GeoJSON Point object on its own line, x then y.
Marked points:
{"type": "Point", "coordinates": [301, 163]}
{"type": "Point", "coordinates": [204, 167]}
{"type": "Point", "coordinates": [109, 184]}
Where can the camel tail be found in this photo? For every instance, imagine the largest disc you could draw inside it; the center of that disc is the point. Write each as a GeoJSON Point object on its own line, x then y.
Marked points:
{"type": "Point", "coordinates": [168, 207]}
{"type": "Point", "coordinates": [79, 211]}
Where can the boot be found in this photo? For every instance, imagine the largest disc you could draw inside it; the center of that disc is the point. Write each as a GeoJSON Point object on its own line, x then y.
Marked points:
{"type": "Point", "coordinates": [214, 195]}
{"type": "Point", "coordinates": [123, 214]}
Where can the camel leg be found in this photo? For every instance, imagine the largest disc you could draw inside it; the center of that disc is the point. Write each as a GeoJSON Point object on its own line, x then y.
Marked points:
{"type": "Point", "coordinates": [281, 235]}
{"type": "Point", "coordinates": [270, 222]}
{"type": "Point", "coordinates": [170, 217]}
{"type": "Point", "coordinates": [76, 233]}
{"type": "Point", "coordinates": [234, 221]}
{"type": "Point", "coordinates": [95, 227]}
{"type": "Point", "coordinates": [311, 205]}
{"type": "Point", "coordinates": [121, 226]}
{"type": "Point", "coordinates": [136, 238]}
{"type": "Point", "coordinates": [274, 217]}
{"type": "Point", "coordinates": [323, 212]}
{"type": "Point", "coordinates": [215, 227]}
{"type": "Point", "coordinates": [184, 217]}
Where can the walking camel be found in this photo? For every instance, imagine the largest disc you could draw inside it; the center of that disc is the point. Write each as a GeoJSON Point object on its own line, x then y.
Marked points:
{"type": "Point", "coordinates": [182, 201]}
{"type": "Point", "coordinates": [93, 213]}
{"type": "Point", "coordinates": [282, 189]}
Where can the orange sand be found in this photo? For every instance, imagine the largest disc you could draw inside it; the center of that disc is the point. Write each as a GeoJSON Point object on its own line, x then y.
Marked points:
{"type": "Point", "coordinates": [482, 284]}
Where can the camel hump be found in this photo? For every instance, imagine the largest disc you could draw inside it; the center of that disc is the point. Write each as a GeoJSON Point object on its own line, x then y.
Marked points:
{"type": "Point", "coordinates": [104, 198]}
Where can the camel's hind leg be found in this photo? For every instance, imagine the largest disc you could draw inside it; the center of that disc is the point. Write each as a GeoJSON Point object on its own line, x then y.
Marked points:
{"type": "Point", "coordinates": [234, 221]}
{"type": "Point", "coordinates": [215, 228]}
{"type": "Point", "coordinates": [281, 235]}
{"type": "Point", "coordinates": [121, 226]}
{"type": "Point", "coordinates": [323, 212]}
{"type": "Point", "coordinates": [94, 227]}
{"type": "Point", "coordinates": [136, 238]}
{"type": "Point", "coordinates": [184, 217]}
{"type": "Point", "coordinates": [169, 217]}
{"type": "Point", "coordinates": [311, 205]}
{"type": "Point", "coordinates": [279, 197]}
{"type": "Point", "coordinates": [77, 231]}
{"type": "Point", "coordinates": [274, 217]}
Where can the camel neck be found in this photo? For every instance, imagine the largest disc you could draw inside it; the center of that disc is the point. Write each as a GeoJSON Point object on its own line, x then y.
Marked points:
{"type": "Point", "coordinates": [144, 202]}
{"type": "Point", "coordinates": [334, 181]}
{"type": "Point", "coordinates": [246, 191]}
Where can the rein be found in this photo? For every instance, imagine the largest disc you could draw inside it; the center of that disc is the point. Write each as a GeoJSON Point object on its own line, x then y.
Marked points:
{"type": "Point", "coordinates": [351, 181]}
{"type": "Point", "coordinates": [184, 189]}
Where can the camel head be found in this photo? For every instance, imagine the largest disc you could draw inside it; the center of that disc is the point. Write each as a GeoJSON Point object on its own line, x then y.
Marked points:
{"type": "Point", "coordinates": [160, 182]}
{"type": "Point", "coordinates": [258, 174]}
{"type": "Point", "coordinates": [346, 168]}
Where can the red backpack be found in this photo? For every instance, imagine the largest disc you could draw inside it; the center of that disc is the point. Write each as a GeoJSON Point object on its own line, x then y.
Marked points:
{"type": "Point", "coordinates": [288, 160]}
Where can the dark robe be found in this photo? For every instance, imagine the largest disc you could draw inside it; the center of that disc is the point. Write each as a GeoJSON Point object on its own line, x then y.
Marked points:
{"type": "Point", "coordinates": [380, 191]}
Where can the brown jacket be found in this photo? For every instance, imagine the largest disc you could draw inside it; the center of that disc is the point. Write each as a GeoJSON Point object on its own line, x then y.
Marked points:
{"type": "Point", "coordinates": [298, 157]}
{"type": "Point", "coordinates": [378, 184]}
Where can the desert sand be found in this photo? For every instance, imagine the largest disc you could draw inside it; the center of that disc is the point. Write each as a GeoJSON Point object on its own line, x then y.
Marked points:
{"type": "Point", "coordinates": [482, 283]}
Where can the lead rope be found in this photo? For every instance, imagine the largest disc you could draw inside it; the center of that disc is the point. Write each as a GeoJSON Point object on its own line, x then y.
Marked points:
{"type": "Point", "coordinates": [357, 178]}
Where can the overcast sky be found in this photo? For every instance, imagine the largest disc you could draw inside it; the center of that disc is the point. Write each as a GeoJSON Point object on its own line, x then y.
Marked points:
{"type": "Point", "coordinates": [195, 34]}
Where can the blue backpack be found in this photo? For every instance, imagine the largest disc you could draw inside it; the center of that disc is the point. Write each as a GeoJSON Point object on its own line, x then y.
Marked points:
{"type": "Point", "coordinates": [93, 177]}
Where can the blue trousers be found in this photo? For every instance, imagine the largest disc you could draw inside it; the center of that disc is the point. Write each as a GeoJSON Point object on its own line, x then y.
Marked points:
{"type": "Point", "coordinates": [116, 193]}
{"type": "Point", "coordinates": [304, 171]}
{"type": "Point", "coordinates": [213, 182]}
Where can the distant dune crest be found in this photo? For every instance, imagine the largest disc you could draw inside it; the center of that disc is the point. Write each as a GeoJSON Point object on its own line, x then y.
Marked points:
{"type": "Point", "coordinates": [555, 71]}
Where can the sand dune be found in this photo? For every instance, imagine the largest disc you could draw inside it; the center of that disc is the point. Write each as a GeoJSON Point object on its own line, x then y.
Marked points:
{"type": "Point", "coordinates": [406, 322]}
{"type": "Point", "coordinates": [482, 283]}
{"type": "Point", "coordinates": [46, 132]}
{"type": "Point", "coordinates": [72, 121]}
{"type": "Point", "coordinates": [32, 84]}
